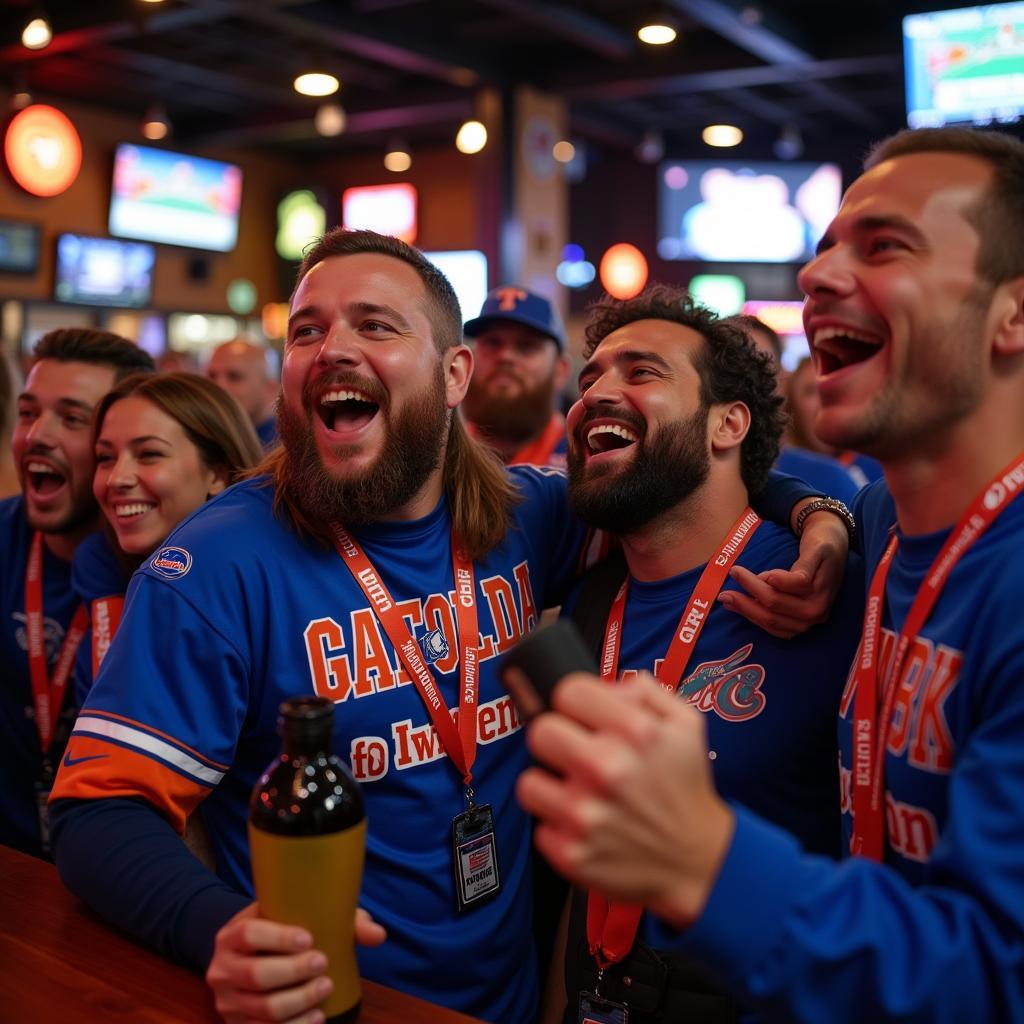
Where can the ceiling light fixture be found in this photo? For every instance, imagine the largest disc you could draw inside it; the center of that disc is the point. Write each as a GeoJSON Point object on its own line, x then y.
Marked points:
{"type": "Point", "coordinates": [656, 34]}
{"type": "Point", "coordinates": [398, 159]}
{"type": "Point", "coordinates": [156, 125]}
{"type": "Point", "coordinates": [722, 135]}
{"type": "Point", "coordinates": [316, 83]}
{"type": "Point", "coordinates": [472, 137]}
{"type": "Point", "coordinates": [37, 33]}
{"type": "Point", "coordinates": [330, 119]}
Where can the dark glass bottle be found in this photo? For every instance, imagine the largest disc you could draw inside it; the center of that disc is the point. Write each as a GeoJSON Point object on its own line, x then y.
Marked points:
{"type": "Point", "coordinates": [307, 839]}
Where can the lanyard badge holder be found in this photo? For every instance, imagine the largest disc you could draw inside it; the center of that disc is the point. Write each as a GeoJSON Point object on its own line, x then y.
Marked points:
{"type": "Point", "coordinates": [595, 1009]}
{"type": "Point", "coordinates": [474, 848]}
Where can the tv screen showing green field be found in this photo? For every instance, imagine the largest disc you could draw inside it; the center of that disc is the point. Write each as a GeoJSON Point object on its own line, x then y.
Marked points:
{"type": "Point", "coordinates": [160, 196]}
{"type": "Point", "coordinates": [965, 66]}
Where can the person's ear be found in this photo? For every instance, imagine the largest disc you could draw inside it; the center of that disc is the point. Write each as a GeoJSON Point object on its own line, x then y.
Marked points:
{"type": "Point", "coordinates": [458, 369]}
{"type": "Point", "coordinates": [728, 424]}
{"type": "Point", "coordinates": [1008, 307]}
{"type": "Point", "coordinates": [218, 479]}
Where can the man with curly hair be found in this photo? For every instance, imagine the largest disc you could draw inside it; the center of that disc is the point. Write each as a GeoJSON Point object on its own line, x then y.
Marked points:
{"type": "Point", "coordinates": [676, 428]}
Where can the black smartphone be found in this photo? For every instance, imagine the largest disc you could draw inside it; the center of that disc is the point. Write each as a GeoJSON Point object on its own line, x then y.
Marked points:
{"type": "Point", "coordinates": [532, 668]}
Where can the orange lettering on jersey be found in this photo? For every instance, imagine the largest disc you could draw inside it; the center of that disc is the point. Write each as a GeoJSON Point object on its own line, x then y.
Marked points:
{"type": "Point", "coordinates": [496, 718]}
{"type": "Point", "coordinates": [906, 692]}
{"type": "Point", "coordinates": [330, 671]}
{"type": "Point", "coordinates": [502, 604]}
{"type": "Point", "coordinates": [373, 666]}
{"type": "Point", "coordinates": [932, 745]}
{"type": "Point", "coordinates": [526, 599]}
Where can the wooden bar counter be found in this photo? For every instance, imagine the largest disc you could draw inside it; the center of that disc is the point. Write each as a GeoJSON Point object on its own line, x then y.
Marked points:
{"type": "Point", "coordinates": [58, 962]}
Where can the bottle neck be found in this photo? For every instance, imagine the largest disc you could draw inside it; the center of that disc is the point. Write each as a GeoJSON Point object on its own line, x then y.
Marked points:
{"type": "Point", "coordinates": [306, 741]}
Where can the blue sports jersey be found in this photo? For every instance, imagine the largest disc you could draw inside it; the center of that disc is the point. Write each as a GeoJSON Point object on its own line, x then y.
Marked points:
{"type": "Point", "coordinates": [20, 756]}
{"type": "Point", "coordinates": [236, 613]}
{"type": "Point", "coordinates": [267, 432]}
{"type": "Point", "coordinates": [95, 573]}
{"type": "Point", "coordinates": [938, 934]}
{"type": "Point", "coordinates": [828, 475]}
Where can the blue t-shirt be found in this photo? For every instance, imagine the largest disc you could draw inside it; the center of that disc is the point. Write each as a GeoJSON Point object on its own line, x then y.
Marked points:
{"type": "Point", "coordinates": [235, 613]}
{"type": "Point", "coordinates": [21, 760]}
{"type": "Point", "coordinates": [770, 705]}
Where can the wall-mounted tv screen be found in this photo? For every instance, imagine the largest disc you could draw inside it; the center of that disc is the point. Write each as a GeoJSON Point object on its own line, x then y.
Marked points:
{"type": "Point", "coordinates": [965, 65]}
{"type": "Point", "coordinates": [735, 212]}
{"type": "Point", "coordinates": [19, 247]}
{"type": "Point", "coordinates": [103, 272]}
{"type": "Point", "coordinates": [159, 196]}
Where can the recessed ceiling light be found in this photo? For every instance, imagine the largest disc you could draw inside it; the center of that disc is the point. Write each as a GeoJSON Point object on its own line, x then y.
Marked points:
{"type": "Point", "coordinates": [37, 34]}
{"type": "Point", "coordinates": [397, 160]}
{"type": "Point", "coordinates": [472, 137]}
{"type": "Point", "coordinates": [723, 135]}
{"type": "Point", "coordinates": [316, 83]}
{"type": "Point", "coordinates": [656, 34]}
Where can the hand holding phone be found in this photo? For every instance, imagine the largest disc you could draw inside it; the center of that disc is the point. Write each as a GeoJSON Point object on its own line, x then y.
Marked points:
{"type": "Point", "coordinates": [534, 666]}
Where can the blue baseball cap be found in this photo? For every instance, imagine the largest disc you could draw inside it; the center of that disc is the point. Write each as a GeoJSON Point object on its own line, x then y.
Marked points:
{"type": "Point", "coordinates": [518, 305]}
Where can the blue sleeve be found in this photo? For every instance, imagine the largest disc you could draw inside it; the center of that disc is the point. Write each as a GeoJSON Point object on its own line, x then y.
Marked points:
{"type": "Point", "coordinates": [123, 859]}
{"type": "Point", "coordinates": [804, 938]}
{"type": "Point", "coordinates": [775, 503]}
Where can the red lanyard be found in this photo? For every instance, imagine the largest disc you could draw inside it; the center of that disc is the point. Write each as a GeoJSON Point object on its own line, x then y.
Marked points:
{"type": "Point", "coordinates": [612, 927]}
{"type": "Point", "coordinates": [870, 729]}
{"type": "Point", "coordinates": [459, 744]}
{"type": "Point", "coordinates": [104, 617]}
{"type": "Point", "coordinates": [538, 453]}
{"type": "Point", "coordinates": [47, 691]}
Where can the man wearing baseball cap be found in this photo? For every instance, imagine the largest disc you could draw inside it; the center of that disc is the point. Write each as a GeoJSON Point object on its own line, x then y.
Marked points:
{"type": "Point", "coordinates": [521, 367]}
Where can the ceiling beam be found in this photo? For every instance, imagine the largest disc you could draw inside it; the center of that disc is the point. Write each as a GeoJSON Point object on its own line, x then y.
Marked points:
{"type": "Point", "coordinates": [361, 122]}
{"type": "Point", "coordinates": [571, 24]}
{"type": "Point", "coordinates": [729, 78]}
{"type": "Point", "coordinates": [729, 19]}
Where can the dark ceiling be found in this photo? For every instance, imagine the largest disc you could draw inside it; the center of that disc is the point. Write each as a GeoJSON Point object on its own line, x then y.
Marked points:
{"type": "Point", "coordinates": [224, 68]}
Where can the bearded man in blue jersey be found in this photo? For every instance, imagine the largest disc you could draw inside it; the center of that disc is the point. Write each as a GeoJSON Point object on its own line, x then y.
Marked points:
{"type": "Point", "coordinates": [676, 428]}
{"type": "Point", "coordinates": [915, 316]}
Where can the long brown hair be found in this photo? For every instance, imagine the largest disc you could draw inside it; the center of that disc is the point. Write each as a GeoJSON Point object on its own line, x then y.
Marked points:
{"type": "Point", "coordinates": [480, 493]}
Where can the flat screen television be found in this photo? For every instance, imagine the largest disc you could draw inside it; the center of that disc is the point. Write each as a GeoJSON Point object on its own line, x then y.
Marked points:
{"type": "Point", "coordinates": [103, 272]}
{"type": "Point", "coordinates": [736, 212]}
{"type": "Point", "coordinates": [19, 247]}
{"type": "Point", "coordinates": [964, 66]}
{"type": "Point", "coordinates": [175, 199]}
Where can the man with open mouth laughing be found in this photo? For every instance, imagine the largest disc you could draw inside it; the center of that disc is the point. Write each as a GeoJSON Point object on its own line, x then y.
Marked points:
{"type": "Point", "coordinates": [915, 316]}
{"type": "Point", "coordinates": [676, 428]}
{"type": "Point", "coordinates": [39, 531]}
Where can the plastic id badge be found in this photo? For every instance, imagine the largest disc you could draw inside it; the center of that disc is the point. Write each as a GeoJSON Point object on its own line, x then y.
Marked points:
{"type": "Point", "coordinates": [476, 856]}
{"type": "Point", "coordinates": [595, 1010]}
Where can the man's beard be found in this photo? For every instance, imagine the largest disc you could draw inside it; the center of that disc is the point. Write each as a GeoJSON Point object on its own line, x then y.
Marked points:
{"type": "Point", "coordinates": [412, 451]}
{"type": "Point", "coordinates": [511, 417]}
{"type": "Point", "coordinates": [662, 473]}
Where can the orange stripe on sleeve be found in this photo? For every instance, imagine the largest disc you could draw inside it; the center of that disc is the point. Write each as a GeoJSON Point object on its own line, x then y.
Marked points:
{"type": "Point", "coordinates": [94, 768]}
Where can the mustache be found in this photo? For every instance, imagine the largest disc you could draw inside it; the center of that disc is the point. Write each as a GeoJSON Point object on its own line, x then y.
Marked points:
{"type": "Point", "coordinates": [38, 451]}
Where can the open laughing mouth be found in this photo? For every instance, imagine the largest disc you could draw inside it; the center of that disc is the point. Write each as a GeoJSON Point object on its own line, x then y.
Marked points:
{"type": "Point", "coordinates": [44, 480]}
{"type": "Point", "coordinates": [601, 441]}
{"type": "Point", "coordinates": [346, 410]}
{"type": "Point", "coordinates": [836, 348]}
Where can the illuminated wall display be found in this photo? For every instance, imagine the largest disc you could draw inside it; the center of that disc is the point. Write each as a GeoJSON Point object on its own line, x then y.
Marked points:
{"type": "Point", "coordinates": [388, 209]}
{"type": "Point", "coordinates": [623, 271]}
{"type": "Point", "coordinates": [300, 219]}
{"type": "Point", "coordinates": [42, 150]}
{"type": "Point", "coordinates": [782, 316]}
{"type": "Point", "coordinates": [722, 293]}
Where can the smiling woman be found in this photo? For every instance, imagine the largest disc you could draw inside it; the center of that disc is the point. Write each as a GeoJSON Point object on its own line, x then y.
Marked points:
{"type": "Point", "coordinates": [164, 445]}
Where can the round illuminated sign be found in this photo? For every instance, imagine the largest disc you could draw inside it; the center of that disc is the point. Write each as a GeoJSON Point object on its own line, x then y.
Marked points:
{"type": "Point", "coordinates": [43, 150]}
{"type": "Point", "coordinates": [623, 271]}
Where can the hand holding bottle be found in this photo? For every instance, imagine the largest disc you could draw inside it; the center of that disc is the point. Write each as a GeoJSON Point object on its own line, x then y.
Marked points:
{"type": "Point", "coordinates": [262, 970]}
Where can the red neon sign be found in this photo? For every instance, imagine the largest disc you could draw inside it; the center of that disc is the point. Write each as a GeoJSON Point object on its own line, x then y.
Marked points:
{"type": "Point", "coordinates": [42, 150]}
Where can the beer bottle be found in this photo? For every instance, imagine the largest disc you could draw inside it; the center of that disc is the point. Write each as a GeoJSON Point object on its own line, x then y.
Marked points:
{"type": "Point", "coordinates": [307, 837]}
